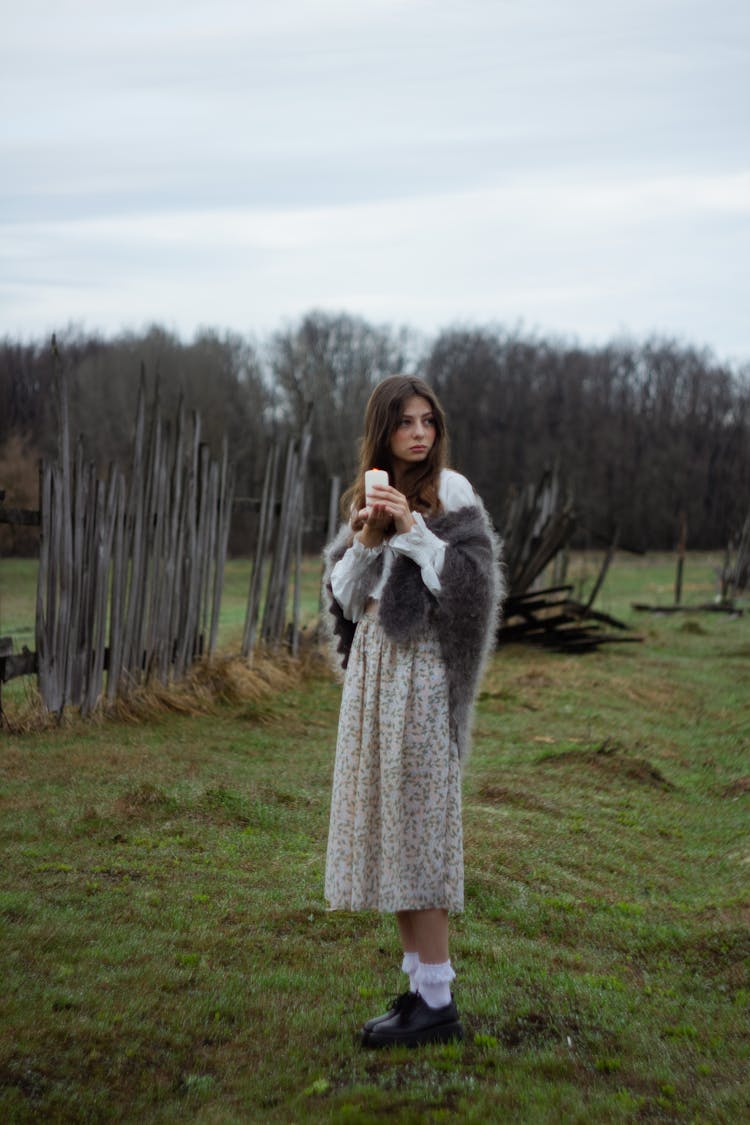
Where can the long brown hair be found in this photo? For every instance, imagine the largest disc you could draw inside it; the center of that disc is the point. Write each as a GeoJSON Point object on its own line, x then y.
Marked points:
{"type": "Point", "coordinates": [419, 482]}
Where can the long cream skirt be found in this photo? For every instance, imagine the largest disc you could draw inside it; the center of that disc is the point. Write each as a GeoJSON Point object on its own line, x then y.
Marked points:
{"type": "Point", "coordinates": [395, 839]}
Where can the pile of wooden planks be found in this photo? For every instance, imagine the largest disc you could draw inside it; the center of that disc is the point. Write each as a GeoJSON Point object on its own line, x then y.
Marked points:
{"type": "Point", "coordinates": [539, 524]}
{"type": "Point", "coordinates": [552, 618]}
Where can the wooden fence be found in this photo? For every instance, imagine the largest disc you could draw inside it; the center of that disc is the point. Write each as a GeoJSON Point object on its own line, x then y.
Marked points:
{"type": "Point", "coordinates": [131, 570]}
{"type": "Point", "coordinates": [278, 550]}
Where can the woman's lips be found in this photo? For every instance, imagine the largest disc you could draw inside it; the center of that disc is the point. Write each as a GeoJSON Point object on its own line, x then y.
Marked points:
{"type": "Point", "coordinates": [417, 448]}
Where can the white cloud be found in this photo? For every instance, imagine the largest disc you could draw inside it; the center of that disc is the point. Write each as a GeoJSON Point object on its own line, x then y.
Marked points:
{"type": "Point", "coordinates": [531, 250]}
{"type": "Point", "coordinates": [576, 166]}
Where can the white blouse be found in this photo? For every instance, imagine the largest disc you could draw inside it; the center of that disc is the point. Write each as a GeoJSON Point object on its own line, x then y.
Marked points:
{"type": "Point", "coordinates": [348, 578]}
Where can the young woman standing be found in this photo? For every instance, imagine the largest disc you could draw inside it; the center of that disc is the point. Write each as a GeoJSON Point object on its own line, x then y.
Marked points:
{"type": "Point", "coordinates": [415, 586]}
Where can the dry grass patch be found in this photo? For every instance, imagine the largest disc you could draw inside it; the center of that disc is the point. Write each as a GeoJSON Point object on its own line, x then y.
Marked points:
{"type": "Point", "coordinates": [211, 683]}
{"type": "Point", "coordinates": [652, 692]}
{"type": "Point", "coordinates": [217, 681]}
{"type": "Point", "coordinates": [504, 795]}
{"type": "Point", "coordinates": [738, 788]}
{"type": "Point", "coordinates": [143, 800]}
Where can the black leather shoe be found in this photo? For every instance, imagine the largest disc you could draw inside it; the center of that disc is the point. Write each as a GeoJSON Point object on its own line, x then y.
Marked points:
{"type": "Point", "coordinates": [401, 1003]}
{"type": "Point", "coordinates": [415, 1025]}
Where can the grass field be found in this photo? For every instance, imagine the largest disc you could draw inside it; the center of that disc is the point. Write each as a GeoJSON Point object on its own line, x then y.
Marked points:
{"type": "Point", "coordinates": [167, 955]}
{"type": "Point", "coordinates": [632, 578]}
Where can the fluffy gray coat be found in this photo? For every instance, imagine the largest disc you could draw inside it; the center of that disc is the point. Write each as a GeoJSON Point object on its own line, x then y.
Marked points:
{"type": "Point", "coordinates": [465, 613]}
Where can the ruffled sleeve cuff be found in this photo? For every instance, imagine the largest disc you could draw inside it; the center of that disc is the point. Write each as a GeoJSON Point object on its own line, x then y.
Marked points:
{"type": "Point", "coordinates": [364, 555]}
{"type": "Point", "coordinates": [425, 549]}
{"type": "Point", "coordinates": [350, 580]}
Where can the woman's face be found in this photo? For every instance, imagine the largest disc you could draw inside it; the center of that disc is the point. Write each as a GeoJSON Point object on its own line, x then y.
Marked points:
{"type": "Point", "coordinates": [414, 435]}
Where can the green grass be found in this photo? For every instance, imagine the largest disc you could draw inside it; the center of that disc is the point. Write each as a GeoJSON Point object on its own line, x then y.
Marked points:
{"type": "Point", "coordinates": [234, 598]}
{"type": "Point", "coordinates": [167, 955]}
{"type": "Point", "coordinates": [18, 599]}
{"type": "Point", "coordinates": [648, 578]}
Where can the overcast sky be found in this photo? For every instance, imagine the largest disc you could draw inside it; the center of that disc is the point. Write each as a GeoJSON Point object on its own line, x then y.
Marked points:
{"type": "Point", "coordinates": [581, 169]}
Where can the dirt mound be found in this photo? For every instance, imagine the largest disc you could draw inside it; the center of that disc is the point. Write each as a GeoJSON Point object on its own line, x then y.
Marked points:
{"type": "Point", "coordinates": [738, 788]}
{"type": "Point", "coordinates": [610, 760]}
{"type": "Point", "coordinates": [503, 795]}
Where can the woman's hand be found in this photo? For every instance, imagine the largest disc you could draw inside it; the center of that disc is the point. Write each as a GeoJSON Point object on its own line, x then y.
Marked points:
{"type": "Point", "coordinates": [372, 524]}
{"type": "Point", "coordinates": [388, 505]}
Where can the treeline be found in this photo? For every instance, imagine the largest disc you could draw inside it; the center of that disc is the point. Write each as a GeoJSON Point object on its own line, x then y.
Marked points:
{"type": "Point", "coordinates": [642, 432]}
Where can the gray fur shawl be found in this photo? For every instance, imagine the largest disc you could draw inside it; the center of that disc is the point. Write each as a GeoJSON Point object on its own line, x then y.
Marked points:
{"type": "Point", "coordinates": [465, 613]}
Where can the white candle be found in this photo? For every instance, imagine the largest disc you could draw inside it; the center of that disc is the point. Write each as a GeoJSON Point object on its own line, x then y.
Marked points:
{"type": "Point", "coordinates": [373, 477]}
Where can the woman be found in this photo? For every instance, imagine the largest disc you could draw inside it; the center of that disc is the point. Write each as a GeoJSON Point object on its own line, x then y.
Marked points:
{"type": "Point", "coordinates": [415, 586]}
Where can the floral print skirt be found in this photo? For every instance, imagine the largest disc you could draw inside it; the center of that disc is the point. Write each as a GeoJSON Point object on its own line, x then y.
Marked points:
{"type": "Point", "coordinates": [395, 840]}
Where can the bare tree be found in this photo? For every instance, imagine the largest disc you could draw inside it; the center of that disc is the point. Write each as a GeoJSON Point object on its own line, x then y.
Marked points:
{"type": "Point", "coordinates": [329, 363]}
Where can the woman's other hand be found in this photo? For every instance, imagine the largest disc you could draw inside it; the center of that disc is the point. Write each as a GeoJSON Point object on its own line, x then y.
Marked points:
{"type": "Point", "coordinates": [373, 522]}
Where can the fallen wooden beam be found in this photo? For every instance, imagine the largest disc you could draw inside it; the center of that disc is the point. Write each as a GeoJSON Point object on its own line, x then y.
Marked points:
{"type": "Point", "coordinates": [560, 623]}
{"type": "Point", "coordinates": [28, 516]}
{"type": "Point", "coordinates": [22, 663]}
{"type": "Point", "coordinates": [606, 619]}
{"type": "Point", "coordinates": [705, 607]}
{"type": "Point", "coordinates": [540, 595]}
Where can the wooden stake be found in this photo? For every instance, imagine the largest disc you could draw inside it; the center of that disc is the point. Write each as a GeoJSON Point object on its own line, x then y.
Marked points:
{"type": "Point", "coordinates": [681, 546]}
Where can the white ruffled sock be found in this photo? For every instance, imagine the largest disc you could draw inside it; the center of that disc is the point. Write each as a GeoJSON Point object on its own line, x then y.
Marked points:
{"type": "Point", "coordinates": [434, 983]}
{"type": "Point", "coordinates": [410, 965]}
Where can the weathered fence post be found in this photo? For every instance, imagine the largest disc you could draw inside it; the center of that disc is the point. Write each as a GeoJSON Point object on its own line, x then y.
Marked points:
{"type": "Point", "coordinates": [267, 505]}
{"type": "Point", "coordinates": [681, 547]}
